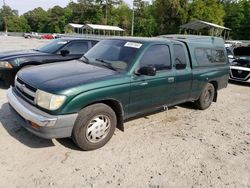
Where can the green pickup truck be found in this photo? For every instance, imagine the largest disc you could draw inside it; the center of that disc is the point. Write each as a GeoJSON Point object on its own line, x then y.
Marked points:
{"type": "Point", "coordinates": [118, 79]}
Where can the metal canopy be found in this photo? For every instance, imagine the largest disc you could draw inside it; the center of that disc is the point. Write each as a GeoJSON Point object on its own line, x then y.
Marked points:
{"type": "Point", "coordinates": [199, 24]}
{"type": "Point", "coordinates": [75, 26]}
{"type": "Point", "coordinates": [103, 27]}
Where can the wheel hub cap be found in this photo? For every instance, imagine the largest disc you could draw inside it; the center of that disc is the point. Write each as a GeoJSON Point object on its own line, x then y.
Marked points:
{"type": "Point", "coordinates": [98, 128]}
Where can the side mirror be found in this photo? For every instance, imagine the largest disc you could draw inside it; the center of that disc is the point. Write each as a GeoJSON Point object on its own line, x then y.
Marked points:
{"type": "Point", "coordinates": [180, 66]}
{"type": "Point", "coordinates": [148, 71]}
{"type": "Point", "coordinates": [64, 53]}
{"type": "Point", "coordinates": [230, 56]}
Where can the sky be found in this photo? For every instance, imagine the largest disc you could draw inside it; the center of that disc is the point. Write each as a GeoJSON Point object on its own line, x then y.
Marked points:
{"type": "Point", "coordinates": [25, 5]}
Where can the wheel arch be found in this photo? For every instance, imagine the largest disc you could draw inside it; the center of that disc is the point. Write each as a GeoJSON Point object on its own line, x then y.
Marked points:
{"type": "Point", "coordinates": [118, 109]}
{"type": "Point", "coordinates": [215, 84]}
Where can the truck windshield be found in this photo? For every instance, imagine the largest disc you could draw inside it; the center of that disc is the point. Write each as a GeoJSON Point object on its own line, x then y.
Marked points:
{"type": "Point", "coordinates": [118, 54]}
{"type": "Point", "coordinates": [53, 46]}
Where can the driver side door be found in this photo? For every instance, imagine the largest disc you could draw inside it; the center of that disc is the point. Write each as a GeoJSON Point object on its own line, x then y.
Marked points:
{"type": "Point", "coordinates": [151, 92]}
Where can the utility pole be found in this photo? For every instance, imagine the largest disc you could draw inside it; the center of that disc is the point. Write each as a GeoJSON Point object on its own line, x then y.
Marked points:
{"type": "Point", "coordinates": [106, 17]}
{"type": "Point", "coordinates": [133, 18]}
{"type": "Point", "coordinates": [4, 18]}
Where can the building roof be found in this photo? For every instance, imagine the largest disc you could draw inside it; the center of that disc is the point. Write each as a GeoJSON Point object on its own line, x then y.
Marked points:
{"type": "Point", "coordinates": [75, 25]}
{"type": "Point", "coordinates": [103, 27]}
{"type": "Point", "coordinates": [199, 24]}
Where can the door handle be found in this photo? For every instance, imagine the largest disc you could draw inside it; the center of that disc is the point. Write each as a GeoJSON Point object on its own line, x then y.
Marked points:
{"type": "Point", "coordinates": [171, 79]}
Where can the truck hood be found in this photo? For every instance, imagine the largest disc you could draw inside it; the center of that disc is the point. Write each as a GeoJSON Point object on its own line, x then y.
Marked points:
{"type": "Point", "coordinates": [15, 54]}
{"type": "Point", "coordinates": [60, 76]}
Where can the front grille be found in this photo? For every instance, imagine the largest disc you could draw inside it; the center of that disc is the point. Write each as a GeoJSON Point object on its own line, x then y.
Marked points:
{"type": "Point", "coordinates": [240, 74]}
{"type": "Point", "coordinates": [25, 90]}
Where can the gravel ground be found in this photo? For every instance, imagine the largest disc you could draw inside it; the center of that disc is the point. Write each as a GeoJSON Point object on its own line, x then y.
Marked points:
{"type": "Point", "coordinates": [181, 147]}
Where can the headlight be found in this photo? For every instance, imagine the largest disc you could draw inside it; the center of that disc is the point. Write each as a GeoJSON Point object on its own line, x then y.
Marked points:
{"type": "Point", "coordinates": [49, 101]}
{"type": "Point", "coordinates": [5, 64]}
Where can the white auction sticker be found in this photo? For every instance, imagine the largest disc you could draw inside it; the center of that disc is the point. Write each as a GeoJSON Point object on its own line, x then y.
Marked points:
{"type": "Point", "coordinates": [133, 45]}
{"type": "Point", "coordinates": [62, 42]}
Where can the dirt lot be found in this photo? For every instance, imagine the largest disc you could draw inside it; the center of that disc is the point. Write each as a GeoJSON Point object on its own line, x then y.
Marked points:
{"type": "Point", "coordinates": [182, 147]}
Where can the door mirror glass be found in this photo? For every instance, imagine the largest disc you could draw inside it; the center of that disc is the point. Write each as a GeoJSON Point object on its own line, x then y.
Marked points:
{"type": "Point", "coordinates": [148, 71]}
{"type": "Point", "coordinates": [64, 53]}
{"type": "Point", "coordinates": [180, 66]}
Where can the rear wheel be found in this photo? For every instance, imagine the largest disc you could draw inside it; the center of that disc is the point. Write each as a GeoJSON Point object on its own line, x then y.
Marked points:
{"type": "Point", "coordinates": [206, 97]}
{"type": "Point", "coordinates": [94, 126]}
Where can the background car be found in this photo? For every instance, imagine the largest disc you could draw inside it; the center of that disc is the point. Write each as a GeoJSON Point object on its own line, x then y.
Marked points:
{"type": "Point", "coordinates": [63, 49]}
{"type": "Point", "coordinates": [240, 67]}
{"type": "Point", "coordinates": [48, 36]}
{"type": "Point", "coordinates": [32, 35]}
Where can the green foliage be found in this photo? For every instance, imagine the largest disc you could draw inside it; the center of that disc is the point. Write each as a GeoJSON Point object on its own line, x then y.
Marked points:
{"type": "Point", "coordinates": [209, 10]}
{"type": "Point", "coordinates": [170, 14]}
{"type": "Point", "coordinates": [18, 24]}
{"type": "Point", "coordinates": [38, 20]}
{"type": "Point", "coordinates": [6, 13]}
{"type": "Point", "coordinates": [159, 17]}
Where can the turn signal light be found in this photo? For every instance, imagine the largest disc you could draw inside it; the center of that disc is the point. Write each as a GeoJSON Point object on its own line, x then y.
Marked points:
{"type": "Point", "coordinates": [34, 125]}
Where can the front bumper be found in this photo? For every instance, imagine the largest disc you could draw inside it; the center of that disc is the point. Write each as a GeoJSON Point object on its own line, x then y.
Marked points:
{"type": "Point", "coordinates": [238, 77]}
{"type": "Point", "coordinates": [51, 126]}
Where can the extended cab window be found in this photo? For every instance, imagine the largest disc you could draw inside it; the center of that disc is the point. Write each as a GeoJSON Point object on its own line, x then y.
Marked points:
{"type": "Point", "coordinates": [206, 56]}
{"type": "Point", "coordinates": [180, 56]}
{"type": "Point", "coordinates": [157, 56]}
{"type": "Point", "coordinates": [76, 48]}
{"type": "Point", "coordinates": [218, 56]}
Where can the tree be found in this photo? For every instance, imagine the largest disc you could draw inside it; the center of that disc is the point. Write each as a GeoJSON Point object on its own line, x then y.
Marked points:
{"type": "Point", "coordinates": [18, 24]}
{"type": "Point", "coordinates": [169, 15]}
{"type": "Point", "coordinates": [56, 19]}
{"type": "Point", "coordinates": [6, 13]}
{"type": "Point", "coordinates": [209, 10]}
{"type": "Point", "coordinates": [121, 16]}
{"type": "Point", "coordinates": [245, 24]}
{"type": "Point", "coordinates": [38, 20]}
{"type": "Point", "coordinates": [145, 24]}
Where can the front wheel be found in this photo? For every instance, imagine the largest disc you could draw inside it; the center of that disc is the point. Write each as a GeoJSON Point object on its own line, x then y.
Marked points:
{"type": "Point", "coordinates": [94, 126]}
{"type": "Point", "coordinates": [206, 97]}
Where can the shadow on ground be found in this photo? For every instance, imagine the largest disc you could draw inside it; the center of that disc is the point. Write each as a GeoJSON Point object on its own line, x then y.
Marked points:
{"type": "Point", "coordinates": [239, 83]}
{"type": "Point", "coordinates": [3, 85]}
{"type": "Point", "coordinates": [13, 124]}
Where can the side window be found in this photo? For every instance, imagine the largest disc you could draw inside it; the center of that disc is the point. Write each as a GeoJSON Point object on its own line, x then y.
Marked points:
{"type": "Point", "coordinates": [157, 56]}
{"type": "Point", "coordinates": [218, 56]}
{"type": "Point", "coordinates": [180, 56]}
{"type": "Point", "coordinates": [203, 56]}
{"type": "Point", "coordinates": [76, 48]}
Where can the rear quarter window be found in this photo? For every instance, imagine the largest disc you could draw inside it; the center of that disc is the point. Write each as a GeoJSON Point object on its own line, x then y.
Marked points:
{"type": "Point", "coordinates": [208, 56]}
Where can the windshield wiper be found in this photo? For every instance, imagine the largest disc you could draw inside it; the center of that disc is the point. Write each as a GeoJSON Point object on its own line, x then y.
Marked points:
{"type": "Point", "coordinates": [106, 64]}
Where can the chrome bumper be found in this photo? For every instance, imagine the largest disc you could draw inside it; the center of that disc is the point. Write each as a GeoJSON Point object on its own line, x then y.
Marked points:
{"type": "Point", "coordinates": [51, 126]}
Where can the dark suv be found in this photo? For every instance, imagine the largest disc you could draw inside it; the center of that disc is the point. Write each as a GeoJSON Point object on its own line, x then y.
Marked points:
{"type": "Point", "coordinates": [58, 50]}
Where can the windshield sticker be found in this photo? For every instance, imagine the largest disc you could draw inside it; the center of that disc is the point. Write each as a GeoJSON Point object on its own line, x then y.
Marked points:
{"type": "Point", "coordinates": [133, 45]}
{"type": "Point", "coordinates": [62, 42]}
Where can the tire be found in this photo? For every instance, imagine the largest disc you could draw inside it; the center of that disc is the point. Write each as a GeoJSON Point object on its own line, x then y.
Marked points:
{"type": "Point", "coordinates": [206, 98]}
{"type": "Point", "coordinates": [98, 117]}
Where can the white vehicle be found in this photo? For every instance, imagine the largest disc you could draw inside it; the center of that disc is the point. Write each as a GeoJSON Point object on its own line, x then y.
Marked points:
{"type": "Point", "coordinates": [240, 67]}
{"type": "Point", "coordinates": [32, 35]}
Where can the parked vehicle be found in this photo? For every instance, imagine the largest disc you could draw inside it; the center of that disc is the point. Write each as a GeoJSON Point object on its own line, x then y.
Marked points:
{"type": "Point", "coordinates": [230, 55]}
{"type": "Point", "coordinates": [117, 79]}
{"type": "Point", "coordinates": [55, 51]}
{"type": "Point", "coordinates": [48, 36]}
{"type": "Point", "coordinates": [240, 67]}
{"type": "Point", "coordinates": [32, 35]}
